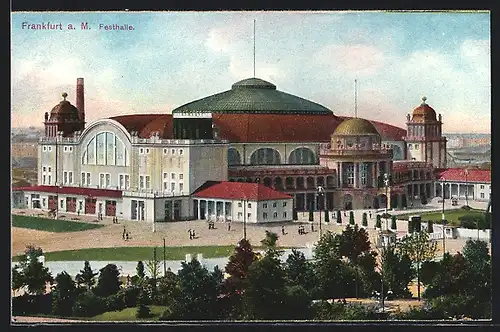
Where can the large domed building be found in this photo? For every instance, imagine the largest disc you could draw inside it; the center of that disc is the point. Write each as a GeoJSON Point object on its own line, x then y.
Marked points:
{"type": "Point", "coordinates": [155, 166]}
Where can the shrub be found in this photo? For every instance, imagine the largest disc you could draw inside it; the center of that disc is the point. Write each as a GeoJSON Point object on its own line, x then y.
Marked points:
{"type": "Point", "coordinates": [327, 216]}
{"type": "Point", "coordinates": [339, 217]}
{"type": "Point", "coordinates": [130, 295]}
{"type": "Point", "coordinates": [88, 304]}
{"type": "Point", "coordinates": [32, 304]}
{"type": "Point", "coordinates": [393, 222]}
{"type": "Point", "coordinates": [466, 208]}
{"type": "Point", "coordinates": [378, 224]}
{"type": "Point", "coordinates": [143, 310]}
{"type": "Point", "coordinates": [430, 227]}
{"type": "Point", "coordinates": [115, 302]}
{"type": "Point", "coordinates": [351, 218]}
{"type": "Point", "coordinates": [471, 221]}
{"type": "Point", "coordinates": [364, 222]}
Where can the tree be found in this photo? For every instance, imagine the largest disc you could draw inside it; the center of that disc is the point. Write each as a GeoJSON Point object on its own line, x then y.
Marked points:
{"type": "Point", "coordinates": [327, 216]}
{"type": "Point", "coordinates": [86, 277]}
{"type": "Point", "coordinates": [139, 270]}
{"type": "Point", "coordinates": [88, 304]}
{"type": "Point", "coordinates": [17, 279]}
{"type": "Point", "coordinates": [269, 243]}
{"type": "Point", "coordinates": [478, 259]}
{"type": "Point", "coordinates": [430, 227]}
{"type": "Point", "coordinates": [351, 218]}
{"type": "Point", "coordinates": [63, 295]}
{"type": "Point", "coordinates": [397, 272]}
{"type": "Point", "coordinates": [196, 297]}
{"type": "Point", "coordinates": [339, 217]}
{"type": "Point", "coordinates": [419, 249]}
{"type": "Point", "coordinates": [235, 285]}
{"type": "Point", "coordinates": [298, 271]}
{"type": "Point", "coordinates": [31, 272]}
{"type": "Point", "coordinates": [378, 223]}
{"type": "Point", "coordinates": [143, 311]}
{"type": "Point", "coordinates": [167, 287]}
{"type": "Point", "coordinates": [108, 282]}
{"type": "Point", "coordinates": [364, 221]}
{"type": "Point", "coordinates": [265, 295]}
{"type": "Point", "coordinates": [393, 223]}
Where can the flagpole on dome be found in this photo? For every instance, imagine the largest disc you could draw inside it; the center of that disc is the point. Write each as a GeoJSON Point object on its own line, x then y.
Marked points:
{"type": "Point", "coordinates": [254, 48]}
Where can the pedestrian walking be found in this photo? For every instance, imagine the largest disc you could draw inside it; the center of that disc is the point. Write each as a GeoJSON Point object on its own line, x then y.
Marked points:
{"type": "Point", "coordinates": [124, 231]}
{"type": "Point", "coordinates": [282, 230]}
{"type": "Point", "coordinates": [229, 226]}
{"type": "Point", "coordinates": [370, 214]}
{"type": "Point", "coordinates": [190, 234]}
{"type": "Point", "coordinates": [312, 227]}
{"type": "Point", "coordinates": [194, 234]}
{"type": "Point", "coordinates": [126, 236]}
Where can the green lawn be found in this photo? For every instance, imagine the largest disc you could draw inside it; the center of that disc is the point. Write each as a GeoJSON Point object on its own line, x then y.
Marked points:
{"type": "Point", "coordinates": [128, 314]}
{"type": "Point", "coordinates": [51, 225]}
{"type": "Point", "coordinates": [450, 215]}
{"type": "Point", "coordinates": [137, 253]}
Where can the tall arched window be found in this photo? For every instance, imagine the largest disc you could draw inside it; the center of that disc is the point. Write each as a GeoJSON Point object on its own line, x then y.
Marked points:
{"type": "Point", "coordinates": [265, 156]}
{"type": "Point", "coordinates": [105, 149]}
{"type": "Point", "coordinates": [302, 156]}
{"type": "Point", "coordinates": [233, 157]}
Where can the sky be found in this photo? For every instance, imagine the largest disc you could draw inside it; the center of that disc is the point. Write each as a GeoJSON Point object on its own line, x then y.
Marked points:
{"type": "Point", "coordinates": [172, 58]}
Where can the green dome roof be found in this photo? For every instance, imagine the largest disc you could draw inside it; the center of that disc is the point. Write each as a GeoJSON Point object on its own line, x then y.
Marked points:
{"type": "Point", "coordinates": [253, 95]}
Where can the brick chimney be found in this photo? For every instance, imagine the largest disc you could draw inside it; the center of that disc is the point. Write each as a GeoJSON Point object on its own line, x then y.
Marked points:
{"type": "Point", "coordinates": [80, 104]}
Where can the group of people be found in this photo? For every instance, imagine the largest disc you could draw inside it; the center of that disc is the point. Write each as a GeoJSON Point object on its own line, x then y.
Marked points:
{"type": "Point", "coordinates": [115, 220]}
{"type": "Point", "coordinates": [302, 230]}
{"type": "Point", "coordinates": [192, 234]}
{"type": "Point", "coordinates": [211, 224]}
{"type": "Point", "coordinates": [99, 216]}
{"type": "Point", "coordinates": [125, 235]}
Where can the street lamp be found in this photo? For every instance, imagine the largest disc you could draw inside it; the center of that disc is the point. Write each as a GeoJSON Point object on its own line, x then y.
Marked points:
{"type": "Point", "coordinates": [386, 184]}
{"type": "Point", "coordinates": [154, 212]}
{"type": "Point", "coordinates": [244, 218]}
{"type": "Point", "coordinates": [320, 194]}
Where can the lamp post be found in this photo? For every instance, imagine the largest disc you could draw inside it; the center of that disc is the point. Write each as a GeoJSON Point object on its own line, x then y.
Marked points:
{"type": "Point", "coordinates": [443, 220]}
{"type": "Point", "coordinates": [244, 219]}
{"type": "Point", "coordinates": [154, 212]}
{"type": "Point", "coordinates": [386, 184]}
{"type": "Point", "coordinates": [320, 194]}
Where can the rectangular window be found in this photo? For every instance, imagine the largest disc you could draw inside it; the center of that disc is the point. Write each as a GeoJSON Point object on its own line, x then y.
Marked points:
{"type": "Point", "coordinates": [101, 180]}
{"type": "Point", "coordinates": [65, 177]}
{"type": "Point", "coordinates": [363, 169]}
{"type": "Point", "coordinates": [50, 169]}
{"type": "Point", "coordinates": [264, 215]}
{"type": "Point", "coordinates": [249, 215]}
{"type": "Point", "coordinates": [44, 168]}
{"type": "Point", "coordinates": [141, 150]}
{"type": "Point", "coordinates": [43, 179]}
{"type": "Point", "coordinates": [482, 195]}
{"type": "Point", "coordinates": [173, 151]}
{"type": "Point", "coordinates": [181, 151]}
{"type": "Point", "coordinates": [165, 186]}
{"type": "Point", "coordinates": [416, 146]}
{"type": "Point", "coordinates": [121, 181]}
{"type": "Point", "coordinates": [410, 146]}
{"type": "Point", "coordinates": [44, 149]}
{"type": "Point", "coordinates": [165, 175]}
{"type": "Point", "coordinates": [240, 215]}
{"type": "Point", "coordinates": [70, 177]}
{"type": "Point", "coordinates": [50, 149]}
{"type": "Point", "coordinates": [172, 176]}
{"type": "Point", "coordinates": [50, 179]}
{"type": "Point", "coordinates": [61, 203]}
{"type": "Point", "coordinates": [181, 176]}
{"type": "Point", "coordinates": [239, 204]}
{"type": "Point", "coordinates": [148, 181]}
{"type": "Point", "coordinates": [284, 215]}
{"type": "Point", "coordinates": [249, 205]}
{"type": "Point", "coordinates": [141, 181]}
{"type": "Point", "coordinates": [108, 180]}
{"type": "Point", "coordinates": [165, 151]}
{"type": "Point", "coordinates": [44, 201]}
{"type": "Point", "coordinates": [350, 174]}
{"type": "Point", "coordinates": [127, 181]}
{"type": "Point", "coordinates": [65, 149]}
{"type": "Point", "coordinates": [284, 204]}
{"type": "Point", "coordinates": [172, 186]}
{"type": "Point", "coordinates": [264, 205]}
{"type": "Point", "coordinates": [181, 187]}
{"type": "Point", "coordinates": [274, 204]}
{"type": "Point", "coordinates": [88, 179]}
{"type": "Point", "coordinates": [482, 186]}
{"type": "Point", "coordinates": [147, 150]}
{"type": "Point", "coordinates": [275, 215]}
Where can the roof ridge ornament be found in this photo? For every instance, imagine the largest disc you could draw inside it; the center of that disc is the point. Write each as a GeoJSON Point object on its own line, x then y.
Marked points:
{"type": "Point", "coordinates": [424, 98]}
{"type": "Point", "coordinates": [64, 95]}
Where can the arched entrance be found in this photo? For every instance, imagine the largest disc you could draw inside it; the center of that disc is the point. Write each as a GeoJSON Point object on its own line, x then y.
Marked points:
{"type": "Point", "coordinates": [394, 201]}
{"type": "Point", "coordinates": [347, 202]}
{"type": "Point", "coordinates": [367, 202]}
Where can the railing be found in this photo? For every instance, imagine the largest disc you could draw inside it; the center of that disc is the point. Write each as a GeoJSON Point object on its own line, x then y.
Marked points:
{"type": "Point", "coordinates": [152, 193]}
{"type": "Point", "coordinates": [155, 140]}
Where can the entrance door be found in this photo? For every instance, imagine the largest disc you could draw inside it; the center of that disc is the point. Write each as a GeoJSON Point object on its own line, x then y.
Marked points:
{"type": "Point", "coordinates": [168, 210]}
{"type": "Point", "coordinates": [90, 204]}
{"type": "Point", "coordinates": [100, 208]}
{"type": "Point", "coordinates": [70, 204]}
{"type": "Point", "coordinates": [52, 202]}
{"type": "Point", "coordinates": [141, 210]}
{"type": "Point", "coordinates": [111, 208]}
{"type": "Point", "coordinates": [177, 210]}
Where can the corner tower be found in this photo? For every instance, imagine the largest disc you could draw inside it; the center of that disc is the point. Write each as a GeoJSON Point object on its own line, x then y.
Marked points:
{"type": "Point", "coordinates": [424, 140]}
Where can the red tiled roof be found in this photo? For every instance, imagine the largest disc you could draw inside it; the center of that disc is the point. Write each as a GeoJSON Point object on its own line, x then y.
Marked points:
{"type": "Point", "coordinates": [145, 124]}
{"type": "Point", "coordinates": [458, 174]}
{"type": "Point", "coordinates": [239, 190]}
{"type": "Point", "coordinates": [252, 127]}
{"type": "Point", "coordinates": [255, 127]}
{"type": "Point", "coordinates": [73, 191]}
{"type": "Point", "coordinates": [387, 131]}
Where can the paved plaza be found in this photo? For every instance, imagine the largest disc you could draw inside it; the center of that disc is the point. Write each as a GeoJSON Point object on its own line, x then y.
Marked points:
{"type": "Point", "coordinates": [176, 233]}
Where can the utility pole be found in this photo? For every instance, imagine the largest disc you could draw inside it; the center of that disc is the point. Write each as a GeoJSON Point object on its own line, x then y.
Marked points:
{"type": "Point", "coordinates": [164, 258]}
{"type": "Point", "coordinates": [386, 183]}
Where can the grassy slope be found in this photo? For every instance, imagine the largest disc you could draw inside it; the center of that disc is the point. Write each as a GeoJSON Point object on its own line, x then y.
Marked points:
{"type": "Point", "coordinates": [128, 314]}
{"type": "Point", "coordinates": [450, 215]}
{"type": "Point", "coordinates": [137, 253]}
{"type": "Point", "coordinates": [51, 225]}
